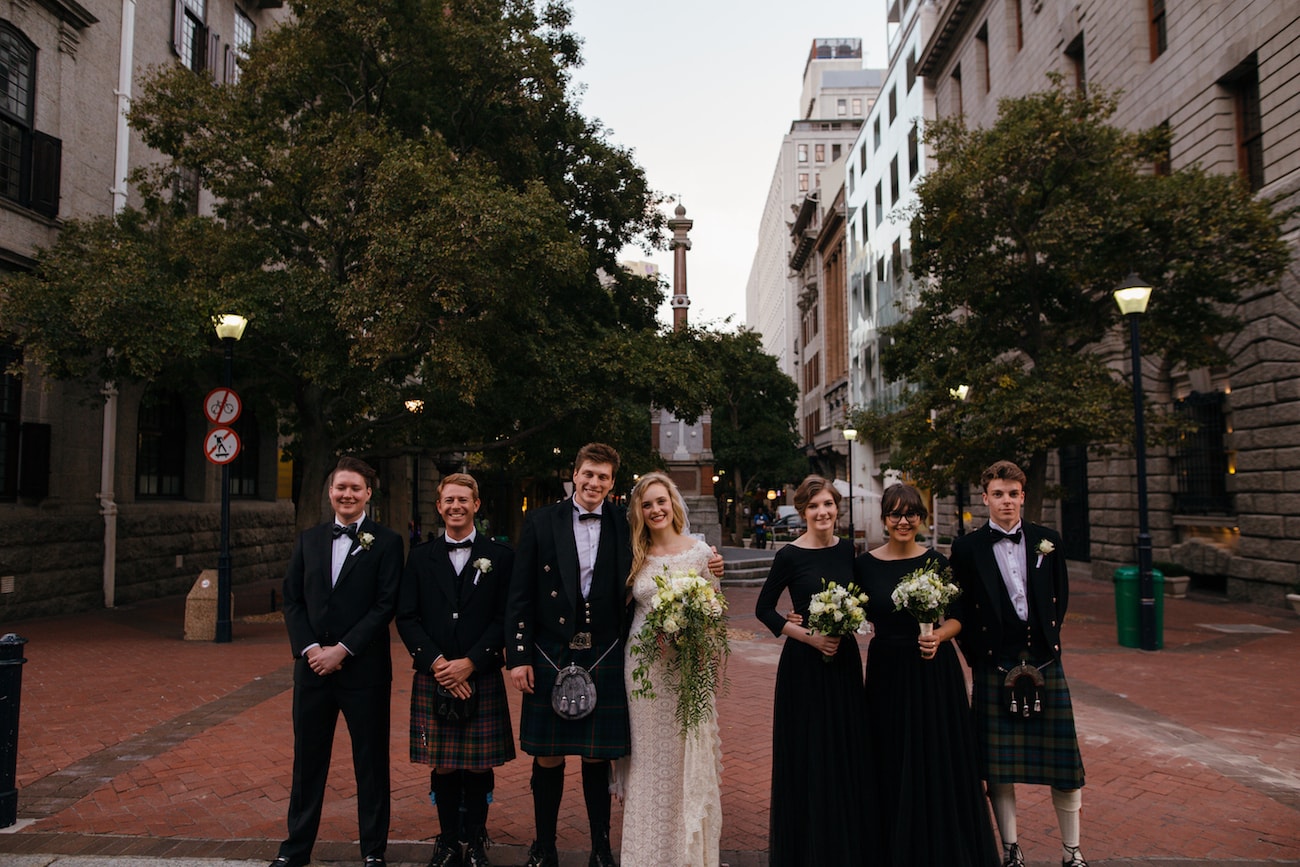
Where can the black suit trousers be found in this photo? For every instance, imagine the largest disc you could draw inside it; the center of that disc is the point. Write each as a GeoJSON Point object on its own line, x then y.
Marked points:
{"type": "Point", "coordinates": [317, 703]}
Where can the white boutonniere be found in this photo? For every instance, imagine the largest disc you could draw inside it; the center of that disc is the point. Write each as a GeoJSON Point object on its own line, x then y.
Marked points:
{"type": "Point", "coordinates": [1045, 547]}
{"type": "Point", "coordinates": [365, 540]}
{"type": "Point", "coordinates": [482, 566]}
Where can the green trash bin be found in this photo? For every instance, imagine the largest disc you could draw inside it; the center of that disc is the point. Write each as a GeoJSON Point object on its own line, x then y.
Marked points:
{"type": "Point", "coordinates": [1127, 602]}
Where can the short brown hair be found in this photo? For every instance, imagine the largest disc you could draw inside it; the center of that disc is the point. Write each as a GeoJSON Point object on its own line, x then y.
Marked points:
{"type": "Point", "coordinates": [465, 480]}
{"type": "Point", "coordinates": [1005, 470]}
{"type": "Point", "coordinates": [811, 487]}
{"type": "Point", "coordinates": [597, 453]}
{"type": "Point", "coordinates": [903, 498]}
{"type": "Point", "coordinates": [349, 464]}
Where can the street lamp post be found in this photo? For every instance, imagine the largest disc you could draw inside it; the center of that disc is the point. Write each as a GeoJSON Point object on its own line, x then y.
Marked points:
{"type": "Point", "coordinates": [230, 327]}
{"type": "Point", "coordinates": [415, 406]}
{"type": "Point", "coordinates": [851, 434]}
{"type": "Point", "coordinates": [961, 392]}
{"type": "Point", "coordinates": [1132, 295]}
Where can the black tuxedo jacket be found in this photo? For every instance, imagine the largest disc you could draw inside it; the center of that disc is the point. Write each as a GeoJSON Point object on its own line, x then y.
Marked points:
{"type": "Point", "coordinates": [441, 614]}
{"type": "Point", "coordinates": [544, 590]}
{"type": "Point", "coordinates": [975, 570]}
{"type": "Point", "coordinates": [354, 612]}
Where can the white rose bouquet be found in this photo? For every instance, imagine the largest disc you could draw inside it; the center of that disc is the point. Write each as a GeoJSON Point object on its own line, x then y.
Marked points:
{"type": "Point", "coordinates": [836, 611]}
{"type": "Point", "coordinates": [685, 627]}
{"type": "Point", "coordinates": [926, 594]}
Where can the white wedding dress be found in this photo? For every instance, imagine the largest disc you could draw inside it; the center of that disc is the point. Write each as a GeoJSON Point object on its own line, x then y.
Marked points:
{"type": "Point", "coordinates": [672, 811]}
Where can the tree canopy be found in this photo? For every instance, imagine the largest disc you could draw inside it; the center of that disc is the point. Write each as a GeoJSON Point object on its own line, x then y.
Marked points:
{"type": "Point", "coordinates": [1020, 235]}
{"type": "Point", "coordinates": [405, 202]}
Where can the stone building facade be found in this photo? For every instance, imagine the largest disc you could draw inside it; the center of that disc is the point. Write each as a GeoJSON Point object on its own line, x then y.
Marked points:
{"type": "Point", "coordinates": [105, 494]}
{"type": "Point", "coordinates": [1225, 78]}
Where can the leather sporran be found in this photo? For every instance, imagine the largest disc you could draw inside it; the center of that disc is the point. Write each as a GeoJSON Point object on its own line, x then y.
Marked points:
{"type": "Point", "coordinates": [452, 710]}
{"type": "Point", "coordinates": [1022, 690]}
{"type": "Point", "coordinates": [574, 693]}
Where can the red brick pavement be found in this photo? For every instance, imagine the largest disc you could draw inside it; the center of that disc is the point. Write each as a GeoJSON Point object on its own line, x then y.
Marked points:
{"type": "Point", "coordinates": [129, 734]}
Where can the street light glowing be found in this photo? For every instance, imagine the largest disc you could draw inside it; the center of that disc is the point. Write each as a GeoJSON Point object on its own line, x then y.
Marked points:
{"type": "Point", "coordinates": [1132, 294]}
{"type": "Point", "coordinates": [229, 325]}
{"type": "Point", "coordinates": [850, 434]}
{"type": "Point", "coordinates": [415, 405]}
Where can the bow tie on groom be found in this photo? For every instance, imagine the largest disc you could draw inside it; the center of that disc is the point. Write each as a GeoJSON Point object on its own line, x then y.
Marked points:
{"type": "Point", "coordinates": [998, 535]}
{"type": "Point", "coordinates": [345, 530]}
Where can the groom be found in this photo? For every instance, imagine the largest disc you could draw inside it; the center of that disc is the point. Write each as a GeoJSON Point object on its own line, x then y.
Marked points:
{"type": "Point", "coordinates": [340, 592]}
{"type": "Point", "coordinates": [568, 604]}
{"type": "Point", "coordinates": [1015, 591]}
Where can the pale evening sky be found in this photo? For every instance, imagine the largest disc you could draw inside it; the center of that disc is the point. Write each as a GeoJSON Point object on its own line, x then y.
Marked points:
{"type": "Point", "coordinates": [702, 91]}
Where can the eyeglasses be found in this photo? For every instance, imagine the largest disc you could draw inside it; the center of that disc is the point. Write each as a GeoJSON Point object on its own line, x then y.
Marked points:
{"type": "Point", "coordinates": [910, 517]}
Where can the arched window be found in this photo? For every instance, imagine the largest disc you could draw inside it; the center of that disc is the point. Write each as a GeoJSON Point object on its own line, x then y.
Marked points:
{"type": "Point", "coordinates": [160, 446]}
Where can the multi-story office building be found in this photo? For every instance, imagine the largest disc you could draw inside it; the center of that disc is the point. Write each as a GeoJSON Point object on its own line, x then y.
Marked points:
{"type": "Point", "coordinates": [92, 473]}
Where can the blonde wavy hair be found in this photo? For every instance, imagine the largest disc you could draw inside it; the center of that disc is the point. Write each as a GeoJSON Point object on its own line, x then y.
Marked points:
{"type": "Point", "coordinates": [636, 521]}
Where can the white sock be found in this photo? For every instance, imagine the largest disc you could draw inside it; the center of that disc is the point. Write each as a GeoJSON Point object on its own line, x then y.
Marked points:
{"type": "Point", "coordinates": [1002, 796]}
{"type": "Point", "coordinates": [1068, 802]}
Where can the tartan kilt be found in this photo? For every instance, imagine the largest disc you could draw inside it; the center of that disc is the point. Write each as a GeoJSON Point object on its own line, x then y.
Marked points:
{"type": "Point", "coordinates": [605, 734]}
{"type": "Point", "coordinates": [486, 741]}
{"type": "Point", "coordinates": [1043, 749]}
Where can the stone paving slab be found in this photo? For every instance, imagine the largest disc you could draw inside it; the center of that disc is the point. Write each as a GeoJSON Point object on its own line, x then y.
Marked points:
{"type": "Point", "coordinates": [135, 745]}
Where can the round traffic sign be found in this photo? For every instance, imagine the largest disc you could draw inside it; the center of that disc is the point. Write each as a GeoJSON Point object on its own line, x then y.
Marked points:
{"type": "Point", "coordinates": [221, 445]}
{"type": "Point", "coordinates": [222, 406]}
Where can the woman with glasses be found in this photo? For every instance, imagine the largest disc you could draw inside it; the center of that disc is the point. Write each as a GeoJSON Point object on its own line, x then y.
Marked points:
{"type": "Point", "coordinates": [930, 801]}
{"type": "Point", "coordinates": [820, 782]}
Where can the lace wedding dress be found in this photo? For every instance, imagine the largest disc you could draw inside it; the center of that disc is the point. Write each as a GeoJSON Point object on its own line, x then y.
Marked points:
{"type": "Point", "coordinates": [672, 811]}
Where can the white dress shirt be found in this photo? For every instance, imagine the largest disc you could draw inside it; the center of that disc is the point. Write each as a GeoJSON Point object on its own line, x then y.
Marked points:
{"type": "Point", "coordinates": [1011, 563]}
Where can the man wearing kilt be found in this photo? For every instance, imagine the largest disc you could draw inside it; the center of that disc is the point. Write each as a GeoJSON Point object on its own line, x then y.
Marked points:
{"type": "Point", "coordinates": [568, 604]}
{"type": "Point", "coordinates": [1015, 591]}
{"type": "Point", "coordinates": [449, 615]}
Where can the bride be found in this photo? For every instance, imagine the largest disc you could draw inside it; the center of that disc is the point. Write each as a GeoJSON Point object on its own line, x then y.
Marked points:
{"type": "Point", "coordinates": [672, 809]}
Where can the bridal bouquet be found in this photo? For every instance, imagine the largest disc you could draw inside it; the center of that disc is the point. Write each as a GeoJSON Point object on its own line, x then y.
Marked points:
{"type": "Point", "coordinates": [685, 627]}
{"type": "Point", "coordinates": [925, 594]}
{"type": "Point", "coordinates": [836, 611]}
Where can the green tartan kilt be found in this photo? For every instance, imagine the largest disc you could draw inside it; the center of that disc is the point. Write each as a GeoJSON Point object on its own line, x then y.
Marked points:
{"type": "Point", "coordinates": [486, 741]}
{"type": "Point", "coordinates": [1042, 749]}
{"type": "Point", "coordinates": [605, 734]}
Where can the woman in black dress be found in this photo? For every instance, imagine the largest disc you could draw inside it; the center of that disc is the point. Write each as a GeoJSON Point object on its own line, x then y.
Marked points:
{"type": "Point", "coordinates": [819, 762]}
{"type": "Point", "coordinates": [929, 796]}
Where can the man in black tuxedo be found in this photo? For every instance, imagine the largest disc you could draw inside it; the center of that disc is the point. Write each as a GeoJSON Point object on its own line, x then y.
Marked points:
{"type": "Point", "coordinates": [568, 603]}
{"type": "Point", "coordinates": [340, 593]}
{"type": "Point", "coordinates": [1015, 591]}
{"type": "Point", "coordinates": [449, 615]}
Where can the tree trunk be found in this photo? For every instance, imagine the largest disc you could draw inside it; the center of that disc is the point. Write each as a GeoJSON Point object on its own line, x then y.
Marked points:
{"type": "Point", "coordinates": [1035, 485]}
{"type": "Point", "coordinates": [316, 453]}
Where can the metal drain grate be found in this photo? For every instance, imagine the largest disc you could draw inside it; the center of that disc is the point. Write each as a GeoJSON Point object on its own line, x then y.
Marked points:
{"type": "Point", "coordinates": [1251, 628]}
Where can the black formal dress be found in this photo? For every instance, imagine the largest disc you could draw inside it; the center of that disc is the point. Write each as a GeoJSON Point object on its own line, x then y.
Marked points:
{"type": "Point", "coordinates": [931, 802]}
{"type": "Point", "coordinates": [821, 811]}
{"type": "Point", "coordinates": [355, 612]}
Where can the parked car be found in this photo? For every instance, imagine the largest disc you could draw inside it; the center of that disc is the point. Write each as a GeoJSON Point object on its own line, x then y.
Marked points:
{"type": "Point", "coordinates": [788, 525]}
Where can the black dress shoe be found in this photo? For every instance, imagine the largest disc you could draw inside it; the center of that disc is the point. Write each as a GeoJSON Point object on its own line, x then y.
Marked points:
{"type": "Point", "coordinates": [445, 854]}
{"type": "Point", "coordinates": [283, 861]}
{"type": "Point", "coordinates": [376, 861]}
{"type": "Point", "coordinates": [542, 856]}
{"type": "Point", "coordinates": [601, 857]}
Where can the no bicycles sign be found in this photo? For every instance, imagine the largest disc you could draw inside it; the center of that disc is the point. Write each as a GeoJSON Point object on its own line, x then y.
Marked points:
{"type": "Point", "coordinates": [222, 406]}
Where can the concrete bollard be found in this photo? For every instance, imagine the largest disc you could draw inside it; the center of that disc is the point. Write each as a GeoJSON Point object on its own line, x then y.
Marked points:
{"type": "Point", "coordinates": [11, 693]}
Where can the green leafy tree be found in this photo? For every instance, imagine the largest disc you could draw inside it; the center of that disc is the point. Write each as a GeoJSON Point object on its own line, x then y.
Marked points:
{"type": "Point", "coordinates": [754, 408]}
{"type": "Point", "coordinates": [407, 204]}
{"type": "Point", "coordinates": [1020, 236]}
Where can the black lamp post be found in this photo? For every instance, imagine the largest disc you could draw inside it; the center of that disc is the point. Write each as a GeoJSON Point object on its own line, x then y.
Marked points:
{"type": "Point", "coordinates": [415, 406]}
{"type": "Point", "coordinates": [1132, 295]}
{"type": "Point", "coordinates": [230, 327]}
{"type": "Point", "coordinates": [961, 392]}
{"type": "Point", "coordinates": [851, 434]}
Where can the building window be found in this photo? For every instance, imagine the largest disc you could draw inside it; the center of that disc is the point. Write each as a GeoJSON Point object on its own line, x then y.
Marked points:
{"type": "Point", "coordinates": [835, 152]}
{"type": "Point", "coordinates": [817, 180]}
{"type": "Point", "coordinates": [11, 396]}
{"type": "Point", "coordinates": [1159, 36]}
{"type": "Point", "coordinates": [911, 70]}
{"type": "Point", "coordinates": [1078, 63]}
{"type": "Point", "coordinates": [160, 446]}
{"type": "Point", "coordinates": [237, 53]}
{"type": "Point", "coordinates": [896, 260]}
{"type": "Point", "coordinates": [803, 153]}
{"type": "Point", "coordinates": [956, 91]}
{"type": "Point", "coordinates": [243, 469]}
{"type": "Point", "coordinates": [880, 270]}
{"type": "Point", "coordinates": [880, 202]}
{"type": "Point", "coordinates": [875, 135]}
{"type": "Point", "coordinates": [862, 158]}
{"type": "Point", "coordinates": [803, 182]}
{"type": "Point", "coordinates": [857, 106]}
{"type": "Point", "coordinates": [1017, 10]}
{"type": "Point", "coordinates": [819, 153]}
{"type": "Point", "coordinates": [893, 181]}
{"type": "Point", "coordinates": [913, 152]}
{"type": "Point", "coordinates": [850, 180]}
{"type": "Point", "coordinates": [29, 160]}
{"type": "Point", "coordinates": [893, 103]}
{"type": "Point", "coordinates": [1243, 84]}
{"type": "Point", "coordinates": [841, 107]}
{"type": "Point", "coordinates": [982, 56]}
{"type": "Point", "coordinates": [1200, 460]}
{"type": "Point", "coordinates": [190, 33]}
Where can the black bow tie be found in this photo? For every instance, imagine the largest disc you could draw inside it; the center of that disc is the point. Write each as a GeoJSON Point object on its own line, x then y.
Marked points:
{"type": "Point", "coordinates": [589, 516]}
{"type": "Point", "coordinates": [998, 536]}
{"type": "Point", "coordinates": [463, 543]}
{"type": "Point", "coordinates": [348, 530]}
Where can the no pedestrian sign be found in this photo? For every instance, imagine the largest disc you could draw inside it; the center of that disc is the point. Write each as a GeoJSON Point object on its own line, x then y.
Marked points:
{"type": "Point", "coordinates": [222, 406]}
{"type": "Point", "coordinates": [221, 446]}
